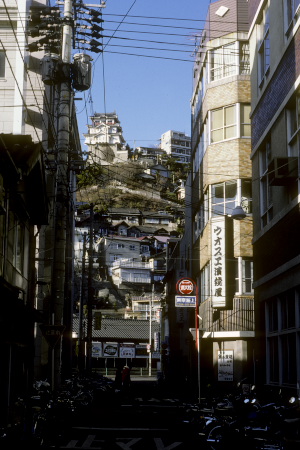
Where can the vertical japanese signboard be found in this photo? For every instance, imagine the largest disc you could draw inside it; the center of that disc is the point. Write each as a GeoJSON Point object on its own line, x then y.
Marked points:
{"type": "Point", "coordinates": [218, 262]}
{"type": "Point", "coordinates": [225, 365]}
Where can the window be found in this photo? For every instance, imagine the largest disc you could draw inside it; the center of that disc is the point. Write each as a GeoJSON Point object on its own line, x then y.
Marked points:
{"type": "Point", "coordinates": [223, 62]}
{"type": "Point", "coordinates": [18, 256]}
{"type": "Point", "coordinates": [243, 276]}
{"type": "Point", "coordinates": [244, 58]}
{"type": "Point", "coordinates": [2, 64]}
{"type": "Point", "coordinates": [264, 48]}
{"type": "Point", "coordinates": [288, 311]}
{"type": "Point", "coordinates": [115, 258]}
{"type": "Point", "coordinates": [229, 60]}
{"type": "Point", "coordinates": [266, 202]}
{"type": "Point", "coordinates": [293, 126]}
{"type": "Point", "coordinates": [281, 329]}
{"type": "Point", "coordinates": [272, 315]}
{"type": "Point", "coordinates": [115, 245]}
{"type": "Point", "coordinates": [291, 13]}
{"type": "Point", "coordinates": [288, 349]}
{"type": "Point", "coordinates": [246, 196]}
{"type": "Point", "coordinates": [132, 247]}
{"type": "Point", "coordinates": [273, 356]}
{"type": "Point", "coordinates": [205, 283]}
{"type": "Point", "coordinates": [223, 197]}
{"type": "Point", "coordinates": [245, 120]}
{"type": "Point", "coordinates": [223, 123]}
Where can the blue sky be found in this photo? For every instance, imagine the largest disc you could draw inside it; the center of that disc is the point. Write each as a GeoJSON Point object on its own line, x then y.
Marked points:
{"type": "Point", "coordinates": [151, 91]}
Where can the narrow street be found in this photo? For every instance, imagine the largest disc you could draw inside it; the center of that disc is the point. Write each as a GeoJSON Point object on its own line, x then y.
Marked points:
{"type": "Point", "coordinates": [142, 419]}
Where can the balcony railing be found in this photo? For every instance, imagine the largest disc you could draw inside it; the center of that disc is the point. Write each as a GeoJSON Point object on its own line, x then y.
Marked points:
{"type": "Point", "coordinates": [133, 279]}
{"type": "Point", "coordinates": [131, 264]}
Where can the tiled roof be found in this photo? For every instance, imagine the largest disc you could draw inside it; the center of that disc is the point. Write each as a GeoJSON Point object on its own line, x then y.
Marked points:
{"type": "Point", "coordinates": [120, 329]}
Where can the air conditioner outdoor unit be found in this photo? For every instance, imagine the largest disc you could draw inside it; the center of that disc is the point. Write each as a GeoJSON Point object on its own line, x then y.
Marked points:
{"type": "Point", "coordinates": [283, 170]}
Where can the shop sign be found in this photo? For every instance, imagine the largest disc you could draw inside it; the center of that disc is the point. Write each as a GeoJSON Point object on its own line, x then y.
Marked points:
{"type": "Point", "coordinates": [110, 350]}
{"type": "Point", "coordinates": [185, 286]}
{"type": "Point", "coordinates": [96, 349]}
{"type": "Point", "coordinates": [186, 300]}
{"type": "Point", "coordinates": [225, 365]}
{"type": "Point", "coordinates": [218, 262]}
{"type": "Point", "coordinates": [127, 351]}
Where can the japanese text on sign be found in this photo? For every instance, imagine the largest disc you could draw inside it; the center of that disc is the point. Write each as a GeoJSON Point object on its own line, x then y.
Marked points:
{"type": "Point", "coordinates": [225, 365]}
{"type": "Point", "coordinates": [218, 262]}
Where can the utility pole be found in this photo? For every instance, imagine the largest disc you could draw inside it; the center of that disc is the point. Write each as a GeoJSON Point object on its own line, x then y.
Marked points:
{"type": "Point", "coordinates": [82, 298]}
{"type": "Point", "coordinates": [150, 330]}
{"type": "Point", "coordinates": [61, 195]}
{"type": "Point", "coordinates": [90, 293]}
{"type": "Point", "coordinates": [65, 75]}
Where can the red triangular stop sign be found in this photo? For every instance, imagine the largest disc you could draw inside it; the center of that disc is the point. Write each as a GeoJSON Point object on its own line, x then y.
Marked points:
{"type": "Point", "coordinates": [52, 333]}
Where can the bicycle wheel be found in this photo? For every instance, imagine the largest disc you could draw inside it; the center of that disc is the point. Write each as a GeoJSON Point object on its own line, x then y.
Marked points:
{"type": "Point", "coordinates": [215, 437]}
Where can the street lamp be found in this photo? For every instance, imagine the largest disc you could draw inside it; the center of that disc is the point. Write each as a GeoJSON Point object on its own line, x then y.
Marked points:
{"type": "Point", "coordinates": [238, 213]}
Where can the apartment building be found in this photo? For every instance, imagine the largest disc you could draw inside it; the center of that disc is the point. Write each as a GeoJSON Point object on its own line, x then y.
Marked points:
{"type": "Point", "coordinates": [105, 141]}
{"type": "Point", "coordinates": [177, 145]}
{"type": "Point", "coordinates": [275, 112]}
{"type": "Point", "coordinates": [220, 260]}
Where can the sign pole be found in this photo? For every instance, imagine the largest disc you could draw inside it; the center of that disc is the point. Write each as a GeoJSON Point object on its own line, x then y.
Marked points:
{"type": "Point", "coordinates": [198, 344]}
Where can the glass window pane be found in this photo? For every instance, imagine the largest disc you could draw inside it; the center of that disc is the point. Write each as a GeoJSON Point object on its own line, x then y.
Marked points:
{"type": "Point", "coordinates": [273, 357]}
{"type": "Point", "coordinates": [2, 64]}
{"type": "Point", "coordinates": [247, 188]}
{"type": "Point", "coordinates": [217, 119]}
{"type": "Point", "coordinates": [218, 193]}
{"type": "Point", "coordinates": [246, 130]}
{"type": "Point", "coordinates": [229, 207]}
{"type": "Point", "coordinates": [244, 58]}
{"type": "Point", "coordinates": [216, 63]}
{"type": "Point", "coordinates": [245, 113]}
{"type": "Point", "coordinates": [230, 132]}
{"type": "Point", "coordinates": [229, 60]}
{"type": "Point", "coordinates": [217, 209]}
{"type": "Point", "coordinates": [217, 136]}
{"type": "Point", "coordinates": [230, 190]}
{"type": "Point", "coordinates": [229, 115]}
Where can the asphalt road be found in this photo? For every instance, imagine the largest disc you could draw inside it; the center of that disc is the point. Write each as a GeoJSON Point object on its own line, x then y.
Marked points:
{"type": "Point", "coordinates": [145, 418]}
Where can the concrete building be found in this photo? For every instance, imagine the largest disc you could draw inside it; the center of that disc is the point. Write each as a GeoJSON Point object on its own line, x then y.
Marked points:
{"type": "Point", "coordinates": [33, 266]}
{"type": "Point", "coordinates": [105, 141]}
{"type": "Point", "coordinates": [217, 251]}
{"type": "Point", "coordinates": [275, 112]}
{"type": "Point", "coordinates": [177, 145]}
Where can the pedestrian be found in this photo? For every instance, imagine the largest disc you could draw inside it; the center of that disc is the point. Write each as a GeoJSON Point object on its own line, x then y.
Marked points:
{"type": "Point", "coordinates": [126, 378]}
{"type": "Point", "coordinates": [118, 379]}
